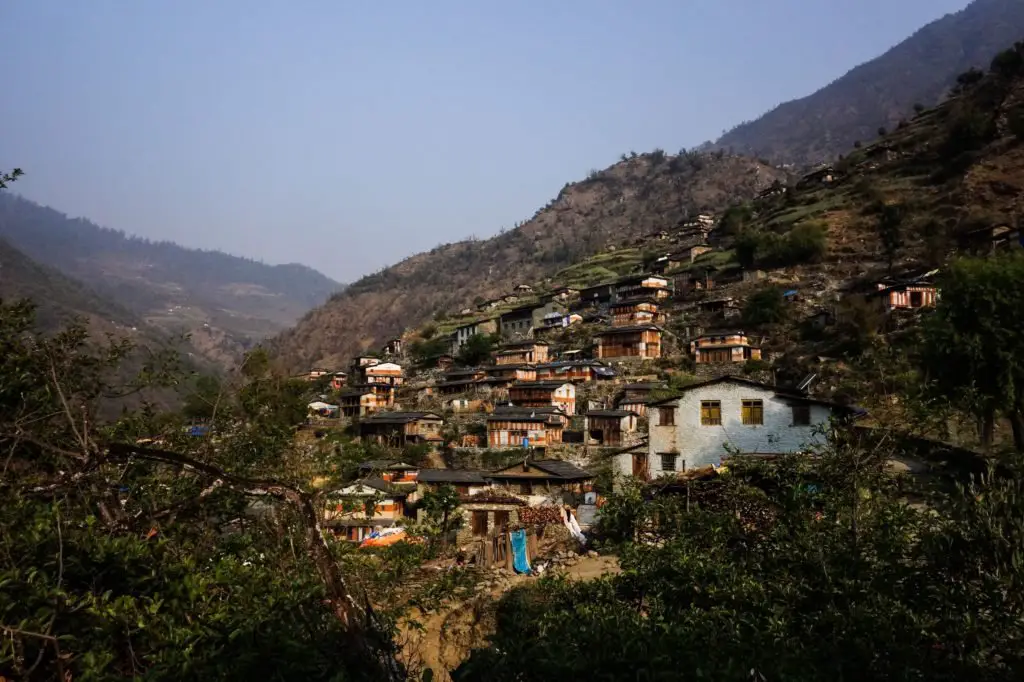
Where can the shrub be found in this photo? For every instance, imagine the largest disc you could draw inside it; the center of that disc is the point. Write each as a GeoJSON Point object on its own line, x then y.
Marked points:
{"type": "Point", "coordinates": [754, 365]}
{"type": "Point", "coordinates": [1008, 63]}
{"type": "Point", "coordinates": [882, 132]}
{"type": "Point", "coordinates": [969, 128]}
{"type": "Point", "coordinates": [765, 307]}
{"type": "Point", "coordinates": [806, 243]}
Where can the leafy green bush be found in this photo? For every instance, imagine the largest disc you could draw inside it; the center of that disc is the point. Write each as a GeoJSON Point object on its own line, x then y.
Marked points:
{"type": "Point", "coordinates": [765, 306]}
{"type": "Point", "coordinates": [753, 575]}
{"type": "Point", "coordinates": [805, 243]}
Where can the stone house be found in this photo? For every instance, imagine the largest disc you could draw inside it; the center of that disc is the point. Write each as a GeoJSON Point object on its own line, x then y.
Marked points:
{"type": "Point", "coordinates": [394, 347]}
{"type": "Point", "coordinates": [389, 470]}
{"type": "Point", "coordinates": [397, 429]}
{"type": "Point", "coordinates": [359, 402]}
{"type": "Point", "coordinates": [522, 353]}
{"type": "Point", "coordinates": [464, 481]}
{"type": "Point", "coordinates": [386, 373]}
{"type": "Point", "coordinates": [338, 381]}
{"type": "Point", "coordinates": [633, 311]}
{"type": "Point", "coordinates": [723, 347]}
{"type": "Point", "coordinates": [516, 323]}
{"type": "Point", "coordinates": [654, 286]}
{"type": "Point", "coordinates": [488, 512]}
{"type": "Point", "coordinates": [611, 427]}
{"type": "Point", "coordinates": [362, 507]}
{"type": "Point", "coordinates": [526, 428]}
{"type": "Point", "coordinates": [560, 394]}
{"type": "Point", "coordinates": [908, 296]}
{"type": "Point", "coordinates": [576, 371]}
{"type": "Point", "coordinates": [542, 478]}
{"type": "Point", "coordinates": [634, 397]}
{"type": "Point", "coordinates": [467, 406]}
{"type": "Point", "coordinates": [641, 342]}
{"type": "Point", "coordinates": [563, 294]}
{"type": "Point", "coordinates": [597, 295]}
{"type": "Point", "coordinates": [693, 430]}
{"type": "Point", "coordinates": [464, 333]}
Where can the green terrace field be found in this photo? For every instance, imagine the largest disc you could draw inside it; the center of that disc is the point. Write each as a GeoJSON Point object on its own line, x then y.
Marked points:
{"type": "Point", "coordinates": [600, 268]}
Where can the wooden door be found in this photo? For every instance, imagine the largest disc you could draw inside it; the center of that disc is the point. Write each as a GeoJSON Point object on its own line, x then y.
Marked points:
{"type": "Point", "coordinates": [479, 523]}
{"type": "Point", "coordinates": [640, 469]}
{"type": "Point", "coordinates": [501, 520]}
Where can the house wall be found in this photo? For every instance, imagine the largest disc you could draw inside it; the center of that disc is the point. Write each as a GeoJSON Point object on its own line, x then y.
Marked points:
{"type": "Point", "coordinates": [698, 250]}
{"type": "Point", "coordinates": [517, 326]}
{"type": "Point", "coordinates": [644, 345]}
{"type": "Point", "coordinates": [581, 373]}
{"type": "Point", "coordinates": [564, 397]}
{"type": "Point", "coordinates": [501, 434]}
{"type": "Point", "coordinates": [700, 446]}
{"type": "Point", "coordinates": [902, 298]}
{"type": "Point", "coordinates": [637, 408]}
{"type": "Point", "coordinates": [465, 534]}
{"type": "Point", "coordinates": [387, 508]}
{"type": "Point", "coordinates": [464, 333]}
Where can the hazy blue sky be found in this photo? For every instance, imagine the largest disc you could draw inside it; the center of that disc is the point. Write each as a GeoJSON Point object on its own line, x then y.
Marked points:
{"type": "Point", "coordinates": [347, 135]}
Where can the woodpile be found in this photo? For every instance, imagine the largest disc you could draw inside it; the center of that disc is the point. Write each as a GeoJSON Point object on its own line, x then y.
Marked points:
{"type": "Point", "coordinates": [540, 516]}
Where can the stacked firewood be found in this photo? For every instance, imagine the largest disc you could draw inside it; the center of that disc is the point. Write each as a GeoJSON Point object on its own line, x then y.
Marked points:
{"type": "Point", "coordinates": [540, 516]}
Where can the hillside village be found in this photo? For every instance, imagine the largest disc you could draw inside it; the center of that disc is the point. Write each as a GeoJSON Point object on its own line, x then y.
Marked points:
{"type": "Point", "coordinates": [648, 359]}
{"type": "Point", "coordinates": [701, 416]}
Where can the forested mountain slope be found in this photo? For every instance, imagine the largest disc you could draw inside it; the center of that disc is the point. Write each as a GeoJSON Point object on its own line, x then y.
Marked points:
{"type": "Point", "coordinates": [880, 93]}
{"type": "Point", "coordinates": [59, 298]}
{"type": "Point", "coordinates": [636, 196]}
{"type": "Point", "coordinates": [227, 303]}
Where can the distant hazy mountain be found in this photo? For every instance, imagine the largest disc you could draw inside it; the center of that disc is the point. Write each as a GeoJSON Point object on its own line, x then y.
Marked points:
{"type": "Point", "coordinates": [883, 91]}
{"type": "Point", "coordinates": [59, 299]}
{"type": "Point", "coordinates": [227, 303]}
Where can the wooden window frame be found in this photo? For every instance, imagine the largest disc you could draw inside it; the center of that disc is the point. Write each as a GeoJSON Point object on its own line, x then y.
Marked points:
{"type": "Point", "coordinates": [670, 412]}
{"type": "Point", "coordinates": [708, 410]}
{"type": "Point", "coordinates": [668, 457]}
{"type": "Point", "coordinates": [752, 411]}
{"type": "Point", "coordinates": [804, 411]}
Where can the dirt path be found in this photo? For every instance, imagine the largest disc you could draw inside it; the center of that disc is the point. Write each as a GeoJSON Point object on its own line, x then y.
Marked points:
{"type": "Point", "coordinates": [447, 636]}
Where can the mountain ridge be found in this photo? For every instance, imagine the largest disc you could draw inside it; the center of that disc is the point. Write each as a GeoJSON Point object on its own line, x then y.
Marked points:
{"type": "Point", "coordinates": [225, 303]}
{"type": "Point", "coordinates": [881, 92]}
{"type": "Point", "coordinates": [638, 195]}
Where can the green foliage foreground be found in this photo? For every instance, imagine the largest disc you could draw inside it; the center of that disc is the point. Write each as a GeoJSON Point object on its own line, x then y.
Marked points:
{"type": "Point", "coordinates": [189, 559]}
{"type": "Point", "coordinates": [808, 569]}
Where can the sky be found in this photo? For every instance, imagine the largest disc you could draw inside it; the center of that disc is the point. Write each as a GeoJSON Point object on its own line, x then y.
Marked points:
{"type": "Point", "coordinates": [347, 135]}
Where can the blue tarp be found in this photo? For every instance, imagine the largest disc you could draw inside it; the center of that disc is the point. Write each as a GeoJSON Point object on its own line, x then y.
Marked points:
{"type": "Point", "coordinates": [791, 292]}
{"type": "Point", "coordinates": [520, 561]}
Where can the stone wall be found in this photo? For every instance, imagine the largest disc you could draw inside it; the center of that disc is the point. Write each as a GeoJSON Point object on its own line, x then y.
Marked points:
{"type": "Point", "coordinates": [465, 534]}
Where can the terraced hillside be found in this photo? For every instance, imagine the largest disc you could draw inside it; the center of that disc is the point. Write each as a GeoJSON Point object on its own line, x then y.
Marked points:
{"type": "Point", "coordinates": [636, 196]}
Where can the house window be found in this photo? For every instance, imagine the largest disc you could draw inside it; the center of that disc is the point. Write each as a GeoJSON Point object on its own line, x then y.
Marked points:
{"type": "Point", "coordinates": [710, 413]}
{"type": "Point", "coordinates": [753, 412]}
{"type": "Point", "coordinates": [501, 519]}
{"type": "Point", "coordinates": [479, 523]}
{"type": "Point", "coordinates": [802, 415]}
{"type": "Point", "coordinates": [666, 416]}
{"type": "Point", "coordinates": [526, 488]}
{"type": "Point", "coordinates": [462, 489]}
{"type": "Point", "coordinates": [668, 461]}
